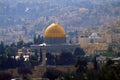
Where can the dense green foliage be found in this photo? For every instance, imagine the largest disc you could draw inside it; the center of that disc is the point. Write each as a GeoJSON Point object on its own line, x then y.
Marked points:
{"type": "Point", "coordinates": [79, 52]}
{"type": "Point", "coordinates": [7, 56]}
{"type": "Point", "coordinates": [109, 71]}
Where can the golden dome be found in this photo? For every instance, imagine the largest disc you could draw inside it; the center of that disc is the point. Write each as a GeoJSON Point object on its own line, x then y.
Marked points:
{"type": "Point", "coordinates": [54, 31]}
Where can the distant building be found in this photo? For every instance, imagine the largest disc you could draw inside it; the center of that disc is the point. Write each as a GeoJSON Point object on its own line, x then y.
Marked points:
{"type": "Point", "coordinates": [97, 41]}
{"type": "Point", "coordinates": [25, 52]}
{"type": "Point", "coordinates": [101, 59]}
{"type": "Point", "coordinates": [84, 41]}
{"type": "Point", "coordinates": [93, 44]}
{"type": "Point", "coordinates": [94, 38]}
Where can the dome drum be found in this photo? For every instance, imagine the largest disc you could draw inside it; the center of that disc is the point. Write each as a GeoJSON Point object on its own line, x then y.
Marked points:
{"type": "Point", "coordinates": [55, 40]}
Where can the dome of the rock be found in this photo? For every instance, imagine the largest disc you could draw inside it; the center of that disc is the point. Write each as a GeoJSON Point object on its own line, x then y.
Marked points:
{"type": "Point", "coordinates": [54, 31]}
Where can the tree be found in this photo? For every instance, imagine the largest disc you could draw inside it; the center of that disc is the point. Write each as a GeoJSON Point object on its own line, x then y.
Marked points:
{"type": "Point", "coordinates": [34, 60]}
{"type": "Point", "coordinates": [21, 60]}
{"type": "Point", "coordinates": [40, 39]}
{"type": "Point", "coordinates": [52, 74]}
{"type": "Point", "coordinates": [50, 59]}
{"type": "Point", "coordinates": [109, 62]}
{"type": "Point", "coordinates": [24, 69]}
{"type": "Point", "coordinates": [95, 63]}
{"type": "Point", "coordinates": [35, 40]}
{"type": "Point", "coordinates": [66, 58]}
{"type": "Point", "coordinates": [3, 60]}
{"type": "Point", "coordinates": [2, 48]}
{"type": "Point", "coordinates": [11, 51]}
{"type": "Point", "coordinates": [11, 63]}
{"type": "Point", "coordinates": [110, 72]}
{"type": "Point", "coordinates": [28, 44]}
{"type": "Point", "coordinates": [79, 52]}
{"type": "Point", "coordinates": [81, 65]}
{"type": "Point", "coordinates": [20, 43]}
{"type": "Point", "coordinates": [110, 48]}
{"type": "Point", "coordinates": [13, 45]}
{"type": "Point", "coordinates": [118, 54]}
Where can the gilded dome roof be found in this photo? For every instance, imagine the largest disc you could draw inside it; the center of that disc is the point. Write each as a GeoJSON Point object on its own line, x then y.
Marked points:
{"type": "Point", "coordinates": [54, 31]}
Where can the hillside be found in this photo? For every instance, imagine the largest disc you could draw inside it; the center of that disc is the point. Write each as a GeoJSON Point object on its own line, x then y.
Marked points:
{"type": "Point", "coordinates": [75, 13]}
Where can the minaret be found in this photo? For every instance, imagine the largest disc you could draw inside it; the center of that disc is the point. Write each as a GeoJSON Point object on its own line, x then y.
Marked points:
{"type": "Point", "coordinates": [44, 55]}
{"type": "Point", "coordinates": [43, 66]}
